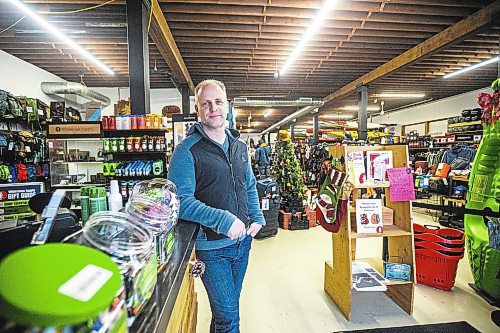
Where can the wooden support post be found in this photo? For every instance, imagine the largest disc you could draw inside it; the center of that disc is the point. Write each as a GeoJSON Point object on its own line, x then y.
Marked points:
{"type": "Point", "coordinates": [138, 56]}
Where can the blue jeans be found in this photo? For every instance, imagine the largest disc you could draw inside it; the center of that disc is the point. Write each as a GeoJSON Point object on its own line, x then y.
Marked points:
{"type": "Point", "coordinates": [225, 269]}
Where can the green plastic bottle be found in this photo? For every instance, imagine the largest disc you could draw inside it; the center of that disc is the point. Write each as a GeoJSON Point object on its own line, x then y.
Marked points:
{"type": "Point", "coordinates": [103, 203]}
{"type": "Point", "coordinates": [85, 203]}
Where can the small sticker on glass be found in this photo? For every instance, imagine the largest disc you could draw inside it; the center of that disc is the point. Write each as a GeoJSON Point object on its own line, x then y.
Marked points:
{"type": "Point", "coordinates": [86, 283]}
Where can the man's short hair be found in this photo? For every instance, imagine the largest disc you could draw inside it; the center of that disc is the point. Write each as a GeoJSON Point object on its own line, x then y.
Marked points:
{"type": "Point", "coordinates": [204, 83]}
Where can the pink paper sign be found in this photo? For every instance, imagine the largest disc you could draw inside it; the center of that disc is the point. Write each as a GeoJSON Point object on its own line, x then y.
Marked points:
{"type": "Point", "coordinates": [401, 184]}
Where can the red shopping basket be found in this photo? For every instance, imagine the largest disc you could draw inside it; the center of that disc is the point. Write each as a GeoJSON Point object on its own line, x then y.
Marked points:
{"type": "Point", "coordinates": [449, 249]}
{"type": "Point", "coordinates": [436, 269]}
{"type": "Point", "coordinates": [446, 233]}
{"type": "Point", "coordinates": [439, 240]}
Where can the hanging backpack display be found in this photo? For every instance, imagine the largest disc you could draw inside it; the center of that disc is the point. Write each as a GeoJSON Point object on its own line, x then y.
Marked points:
{"type": "Point", "coordinates": [9, 106]}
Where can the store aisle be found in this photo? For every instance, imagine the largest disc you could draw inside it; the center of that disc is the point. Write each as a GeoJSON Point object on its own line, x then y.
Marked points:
{"type": "Point", "coordinates": [283, 292]}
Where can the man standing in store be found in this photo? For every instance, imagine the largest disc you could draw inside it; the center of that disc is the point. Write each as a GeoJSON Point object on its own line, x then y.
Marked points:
{"type": "Point", "coordinates": [216, 187]}
{"type": "Point", "coordinates": [263, 158]}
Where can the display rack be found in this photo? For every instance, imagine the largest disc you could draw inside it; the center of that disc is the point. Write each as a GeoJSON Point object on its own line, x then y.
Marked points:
{"type": "Point", "coordinates": [398, 243]}
{"type": "Point", "coordinates": [135, 132]}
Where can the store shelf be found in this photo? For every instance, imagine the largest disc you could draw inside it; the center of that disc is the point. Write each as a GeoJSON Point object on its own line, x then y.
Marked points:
{"type": "Point", "coordinates": [476, 122]}
{"type": "Point", "coordinates": [456, 142]}
{"type": "Point", "coordinates": [378, 264]}
{"type": "Point", "coordinates": [372, 185]}
{"type": "Point", "coordinates": [136, 177]}
{"type": "Point", "coordinates": [389, 231]}
{"type": "Point", "coordinates": [135, 153]}
{"type": "Point", "coordinates": [466, 132]}
{"type": "Point", "coordinates": [79, 162]}
{"type": "Point", "coordinates": [74, 186]}
{"type": "Point", "coordinates": [127, 133]}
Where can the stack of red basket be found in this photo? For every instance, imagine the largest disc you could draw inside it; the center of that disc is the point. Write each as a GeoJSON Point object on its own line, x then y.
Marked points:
{"type": "Point", "coordinates": [437, 252]}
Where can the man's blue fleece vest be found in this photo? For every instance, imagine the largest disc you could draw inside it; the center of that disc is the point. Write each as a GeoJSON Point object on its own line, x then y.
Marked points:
{"type": "Point", "coordinates": [221, 181]}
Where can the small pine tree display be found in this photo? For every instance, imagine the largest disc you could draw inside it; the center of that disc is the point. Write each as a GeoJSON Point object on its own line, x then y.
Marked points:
{"type": "Point", "coordinates": [288, 173]}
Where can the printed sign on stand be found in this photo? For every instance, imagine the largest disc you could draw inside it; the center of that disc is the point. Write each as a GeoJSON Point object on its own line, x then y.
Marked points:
{"type": "Point", "coordinates": [369, 216]}
{"type": "Point", "coordinates": [401, 186]}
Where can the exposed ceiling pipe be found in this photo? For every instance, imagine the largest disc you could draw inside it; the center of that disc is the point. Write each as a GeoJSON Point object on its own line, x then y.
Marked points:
{"type": "Point", "coordinates": [76, 89]}
{"type": "Point", "coordinates": [243, 101]}
{"type": "Point", "coordinates": [295, 115]}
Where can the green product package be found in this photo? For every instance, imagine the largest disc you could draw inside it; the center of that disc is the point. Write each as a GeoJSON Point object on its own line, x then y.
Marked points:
{"type": "Point", "coordinates": [140, 287]}
{"type": "Point", "coordinates": [484, 191]}
{"type": "Point", "coordinates": [103, 203]}
{"type": "Point", "coordinates": [57, 285]}
{"type": "Point", "coordinates": [93, 200]}
{"type": "Point", "coordinates": [85, 202]}
{"type": "Point", "coordinates": [98, 201]}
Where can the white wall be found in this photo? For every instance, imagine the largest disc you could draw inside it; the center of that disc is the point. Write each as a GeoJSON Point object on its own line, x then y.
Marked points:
{"type": "Point", "coordinates": [443, 108]}
{"type": "Point", "coordinates": [21, 78]}
{"type": "Point", "coordinates": [158, 98]}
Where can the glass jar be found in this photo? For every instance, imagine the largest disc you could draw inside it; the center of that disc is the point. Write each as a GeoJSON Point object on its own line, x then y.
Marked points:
{"type": "Point", "coordinates": [129, 245]}
{"type": "Point", "coordinates": [137, 145]}
{"type": "Point", "coordinates": [122, 145]}
{"type": "Point", "coordinates": [61, 288]}
{"type": "Point", "coordinates": [114, 145]}
{"type": "Point", "coordinates": [130, 144]}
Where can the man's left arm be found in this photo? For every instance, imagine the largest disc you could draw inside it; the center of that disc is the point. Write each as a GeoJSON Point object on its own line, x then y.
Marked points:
{"type": "Point", "coordinates": [254, 210]}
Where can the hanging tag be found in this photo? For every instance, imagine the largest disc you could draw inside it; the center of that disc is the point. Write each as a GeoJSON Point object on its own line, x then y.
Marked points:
{"type": "Point", "coordinates": [265, 204]}
{"type": "Point", "coordinates": [27, 149]}
{"type": "Point", "coordinates": [40, 112]}
{"type": "Point", "coordinates": [29, 109]}
{"type": "Point", "coordinates": [445, 181]}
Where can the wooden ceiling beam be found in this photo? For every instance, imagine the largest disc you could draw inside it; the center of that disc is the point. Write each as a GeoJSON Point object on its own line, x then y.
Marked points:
{"type": "Point", "coordinates": [313, 4]}
{"type": "Point", "coordinates": [309, 13]}
{"type": "Point", "coordinates": [452, 35]}
{"type": "Point", "coordinates": [164, 41]}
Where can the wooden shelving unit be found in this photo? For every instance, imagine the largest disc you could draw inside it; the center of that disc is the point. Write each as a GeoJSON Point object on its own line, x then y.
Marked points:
{"type": "Point", "coordinates": [398, 237]}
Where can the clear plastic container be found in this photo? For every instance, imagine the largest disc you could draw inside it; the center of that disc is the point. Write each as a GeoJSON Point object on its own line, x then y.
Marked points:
{"type": "Point", "coordinates": [131, 246]}
{"type": "Point", "coordinates": [161, 190]}
{"type": "Point", "coordinates": [153, 215]}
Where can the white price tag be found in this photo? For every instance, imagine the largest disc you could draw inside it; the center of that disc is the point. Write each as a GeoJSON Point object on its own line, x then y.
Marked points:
{"type": "Point", "coordinates": [265, 204]}
{"type": "Point", "coordinates": [426, 181]}
{"type": "Point", "coordinates": [445, 181]}
{"type": "Point", "coordinates": [29, 109]}
{"type": "Point", "coordinates": [40, 112]}
{"type": "Point", "coordinates": [51, 144]}
{"type": "Point", "coordinates": [86, 283]}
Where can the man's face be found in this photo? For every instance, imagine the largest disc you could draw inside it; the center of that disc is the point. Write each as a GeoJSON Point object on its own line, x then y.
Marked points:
{"type": "Point", "coordinates": [211, 106]}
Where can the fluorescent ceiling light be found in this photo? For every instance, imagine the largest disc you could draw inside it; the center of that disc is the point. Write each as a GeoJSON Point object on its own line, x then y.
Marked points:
{"type": "Point", "coordinates": [311, 30]}
{"type": "Point", "coordinates": [355, 108]}
{"type": "Point", "coordinates": [268, 113]}
{"type": "Point", "coordinates": [333, 116]}
{"type": "Point", "coordinates": [398, 95]}
{"type": "Point", "coordinates": [481, 64]}
{"type": "Point", "coordinates": [56, 32]}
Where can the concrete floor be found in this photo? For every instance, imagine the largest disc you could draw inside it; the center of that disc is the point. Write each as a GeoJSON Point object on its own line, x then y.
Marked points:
{"type": "Point", "coordinates": [283, 291]}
